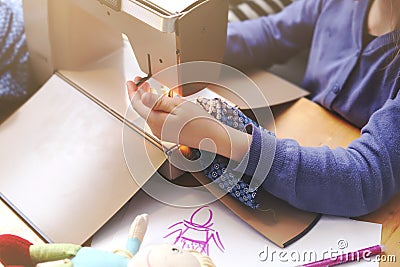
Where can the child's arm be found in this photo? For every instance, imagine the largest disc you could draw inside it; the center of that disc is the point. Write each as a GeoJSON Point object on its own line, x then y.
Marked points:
{"type": "Point", "coordinates": [273, 39]}
{"type": "Point", "coordinates": [347, 182]}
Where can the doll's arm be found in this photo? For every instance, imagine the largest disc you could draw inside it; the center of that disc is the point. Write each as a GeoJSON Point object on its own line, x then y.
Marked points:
{"type": "Point", "coordinates": [15, 250]}
{"type": "Point", "coordinates": [53, 252]}
{"type": "Point", "coordinates": [136, 233]}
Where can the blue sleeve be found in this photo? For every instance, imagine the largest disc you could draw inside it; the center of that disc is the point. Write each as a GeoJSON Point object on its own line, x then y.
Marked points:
{"type": "Point", "coordinates": [272, 39]}
{"type": "Point", "coordinates": [16, 79]}
{"type": "Point", "coordinates": [350, 181]}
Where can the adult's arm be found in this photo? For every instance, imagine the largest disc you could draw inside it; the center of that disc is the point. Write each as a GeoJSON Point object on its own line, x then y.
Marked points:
{"type": "Point", "coordinates": [348, 181]}
{"type": "Point", "coordinates": [272, 39]}
{"type": "Point", "coordinates": [16, 81]}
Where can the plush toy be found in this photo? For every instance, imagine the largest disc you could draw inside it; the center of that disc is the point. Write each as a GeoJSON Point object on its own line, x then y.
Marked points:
{"type": "Point", "coordinates": [18, 252]}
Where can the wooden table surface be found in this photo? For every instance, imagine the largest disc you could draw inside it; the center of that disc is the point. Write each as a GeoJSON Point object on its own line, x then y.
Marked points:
{"type": "Point", "coordinates": [292, 120]}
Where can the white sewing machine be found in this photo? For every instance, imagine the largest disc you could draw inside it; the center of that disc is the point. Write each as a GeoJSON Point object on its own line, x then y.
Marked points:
{"type": "Point", "coordinates": [62, 161]}
{"type": "Point", "coordinates": [68, 34]}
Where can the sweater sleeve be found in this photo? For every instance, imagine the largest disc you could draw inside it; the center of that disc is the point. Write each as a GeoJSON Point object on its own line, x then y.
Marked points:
{"type": "Point", "coordinates": [350, 181]}
{"type": "Point", "coordinates": [272, 39]}
{"type": "Point", "coordinates": [16, 78]}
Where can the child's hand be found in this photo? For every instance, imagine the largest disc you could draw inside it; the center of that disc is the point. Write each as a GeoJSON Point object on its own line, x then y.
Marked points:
{"type": "Point", "coordinates": [174, 119]}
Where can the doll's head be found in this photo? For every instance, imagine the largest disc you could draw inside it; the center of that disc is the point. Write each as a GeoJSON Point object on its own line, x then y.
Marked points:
{"type": "Point", "coordinates": [162, 255]}
{"type": "Point", "coordinates": [166, 255]}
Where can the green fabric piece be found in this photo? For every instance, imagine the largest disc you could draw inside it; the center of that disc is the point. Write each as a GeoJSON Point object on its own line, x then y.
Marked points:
{"type": "Point", "coordinates": [53, 252]}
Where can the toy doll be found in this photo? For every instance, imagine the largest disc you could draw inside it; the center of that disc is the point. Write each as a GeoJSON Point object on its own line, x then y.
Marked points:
{"type": "Point", "coordinates": [18, 252]}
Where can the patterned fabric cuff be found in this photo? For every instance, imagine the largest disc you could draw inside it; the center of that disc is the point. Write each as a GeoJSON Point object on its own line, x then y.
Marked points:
{"type": "Point", "coordinates": [231, 179]}
{"type": "Point", "coordinates": [231, 182]}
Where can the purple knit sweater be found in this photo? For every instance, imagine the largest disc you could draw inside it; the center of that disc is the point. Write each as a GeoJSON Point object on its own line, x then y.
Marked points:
{"type": "Point", "coordinates": [358, 82]}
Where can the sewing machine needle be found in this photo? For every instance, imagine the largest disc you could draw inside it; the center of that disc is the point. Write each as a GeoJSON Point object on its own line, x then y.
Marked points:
{"type": "Point", "coordinates": [142, 80]}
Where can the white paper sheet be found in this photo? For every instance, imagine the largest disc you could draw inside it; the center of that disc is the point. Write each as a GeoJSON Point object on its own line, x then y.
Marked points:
{"type": "Point", "coordinates": [61, 154]}
{"type": "Point", "coordinates": [232, 242]}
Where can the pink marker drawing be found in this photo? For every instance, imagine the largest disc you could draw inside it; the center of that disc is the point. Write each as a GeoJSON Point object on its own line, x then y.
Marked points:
{"type": "Point", "coordinates": [192, 234]}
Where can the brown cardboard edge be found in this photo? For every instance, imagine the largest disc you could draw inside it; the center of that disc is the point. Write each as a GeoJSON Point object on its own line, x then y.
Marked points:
{"type": "Point", "coordinates": [25, 219]}
{"type": "Point", "coordinates": [308, 229]}
{"type": "Point", "coordinates": [253, 220]}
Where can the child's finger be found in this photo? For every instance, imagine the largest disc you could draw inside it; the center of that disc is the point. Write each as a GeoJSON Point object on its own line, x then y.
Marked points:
{"type": "Point", "coordinates": [135, 96]}
{"type": "Point", "coordinates": [132, 89]}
